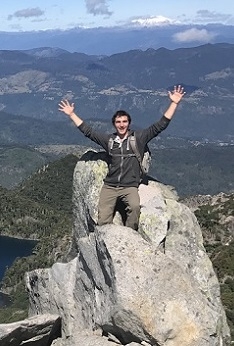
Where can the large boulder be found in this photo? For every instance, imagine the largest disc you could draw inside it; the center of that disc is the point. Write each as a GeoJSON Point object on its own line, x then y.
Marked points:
{"type": "Point", "coordinates": [39, 330]}
{"type": "Point", "coordinates": [152, 287]}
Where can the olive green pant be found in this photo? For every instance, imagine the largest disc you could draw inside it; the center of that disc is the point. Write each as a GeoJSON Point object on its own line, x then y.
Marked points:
{"type": "Point", "coordinates": [109, 197]}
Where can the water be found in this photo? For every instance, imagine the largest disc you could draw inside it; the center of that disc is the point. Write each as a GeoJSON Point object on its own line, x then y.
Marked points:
{"type": "Point", "coordinates": [10, 249]}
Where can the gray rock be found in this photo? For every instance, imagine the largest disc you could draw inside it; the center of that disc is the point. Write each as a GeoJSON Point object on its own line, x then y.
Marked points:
{"type": "Point", "coordinates": [34, 331]}
{"type": "Point", "coordinates": [84, 339]}
{"type": "Point", "coordinates": [156, 286]}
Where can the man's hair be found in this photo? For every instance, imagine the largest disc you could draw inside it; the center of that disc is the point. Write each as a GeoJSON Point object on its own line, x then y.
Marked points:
{"type": "Point", "coordinates": [121, 113]}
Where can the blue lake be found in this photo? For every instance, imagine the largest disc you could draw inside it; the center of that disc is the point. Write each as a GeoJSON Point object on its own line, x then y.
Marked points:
{"type": "Point", "coordinates": [10, 249]}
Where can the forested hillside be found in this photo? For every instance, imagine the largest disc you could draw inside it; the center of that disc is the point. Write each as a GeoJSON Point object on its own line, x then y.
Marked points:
{"type": "Point", "coordinates": [18, 163]}
{"type": "Point", "coordinates": [196, 170]}
{"type": "Point", "coordinates": [40, 208]}
{"type": "Point", "coordinates": [215, 215]}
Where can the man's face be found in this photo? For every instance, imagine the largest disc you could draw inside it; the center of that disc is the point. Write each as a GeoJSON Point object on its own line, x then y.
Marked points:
{"type": "Point", "coordinates": [121, 125]}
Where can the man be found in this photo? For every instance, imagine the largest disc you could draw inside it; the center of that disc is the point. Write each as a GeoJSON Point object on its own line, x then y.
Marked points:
{"type": "Point", "coordinates": [124, 173]}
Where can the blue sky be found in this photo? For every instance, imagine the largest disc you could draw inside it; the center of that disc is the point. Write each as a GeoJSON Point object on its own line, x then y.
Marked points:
{"type": "Point", "coordinates": [28, 15]}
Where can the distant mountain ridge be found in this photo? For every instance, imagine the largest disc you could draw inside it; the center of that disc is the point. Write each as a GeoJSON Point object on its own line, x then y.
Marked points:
{"type": "Point", "coordinates": [33, 82]}
{"type": "Point", "coordinates": [112, 40]}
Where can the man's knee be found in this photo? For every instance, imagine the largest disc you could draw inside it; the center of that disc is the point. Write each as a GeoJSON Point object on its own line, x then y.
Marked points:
{"type": "Point", "coordinates": [105, 216]}
{"type": "Point", "coordinates": [133, 206]}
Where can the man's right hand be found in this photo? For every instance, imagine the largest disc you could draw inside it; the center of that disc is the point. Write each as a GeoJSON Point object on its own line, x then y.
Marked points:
{"type": "Point", "coordinates": [66, 107]}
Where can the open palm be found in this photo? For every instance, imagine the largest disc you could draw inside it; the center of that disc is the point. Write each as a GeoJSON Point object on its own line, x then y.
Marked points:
{"type": "Point", "coordinates": [177, 94]}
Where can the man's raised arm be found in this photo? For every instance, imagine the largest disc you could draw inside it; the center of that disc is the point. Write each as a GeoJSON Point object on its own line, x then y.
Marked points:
{"type": "Point", "coordinates": [175, 97]}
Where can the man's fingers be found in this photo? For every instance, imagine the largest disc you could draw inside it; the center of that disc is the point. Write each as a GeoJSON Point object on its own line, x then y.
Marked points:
{"type": "Point", "coordinates": [179, 89]}
{"type": "Point", "coordinates": [64, 102]}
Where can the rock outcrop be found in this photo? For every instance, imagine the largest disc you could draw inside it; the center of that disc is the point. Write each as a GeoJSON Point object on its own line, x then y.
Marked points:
{"type": "Point", "coordinates": [39, 330]}
{"type": "Point", "coordinates": [122, 287]}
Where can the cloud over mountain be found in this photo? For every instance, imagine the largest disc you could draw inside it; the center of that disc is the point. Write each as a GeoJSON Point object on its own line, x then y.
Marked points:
{"type": "Point", "coordinates": [194, 35]}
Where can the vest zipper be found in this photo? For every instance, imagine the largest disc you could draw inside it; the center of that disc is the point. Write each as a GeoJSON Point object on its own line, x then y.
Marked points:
{"type": "Point", "coordinates": [121, 164]}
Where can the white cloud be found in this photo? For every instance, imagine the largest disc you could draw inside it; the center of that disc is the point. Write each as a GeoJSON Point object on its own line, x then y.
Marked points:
{"type": "Point", "coordinates": [27, 13]}
{"type": "Point", "coordinates": [194, 35]}
{"type": "Point", "coordinates": [97, 7]}
{"type": "Point", "coordinates": [206, 16]}
{"type": "Point", "coordinates": [152, 21]}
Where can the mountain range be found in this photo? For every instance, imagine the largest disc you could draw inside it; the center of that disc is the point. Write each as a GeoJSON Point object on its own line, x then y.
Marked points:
{"type": "Point", "coordinates": [32, 83]}
{"type": "Point", "coordinates": [112, 40]}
